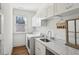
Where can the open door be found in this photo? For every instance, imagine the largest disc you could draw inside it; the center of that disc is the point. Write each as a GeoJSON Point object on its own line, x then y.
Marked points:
{"type": "Point", "coordinates": [72, 31]}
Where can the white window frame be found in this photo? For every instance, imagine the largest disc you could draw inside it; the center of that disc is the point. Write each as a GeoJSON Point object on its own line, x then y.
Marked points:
{"type": "Point", "coordinates": [16, 24]}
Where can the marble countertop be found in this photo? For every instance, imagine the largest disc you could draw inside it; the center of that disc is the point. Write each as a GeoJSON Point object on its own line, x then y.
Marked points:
{"type": "Point", "coordinates": [58, 46]}
{"type": "Point", "coordinates": [32, 35]}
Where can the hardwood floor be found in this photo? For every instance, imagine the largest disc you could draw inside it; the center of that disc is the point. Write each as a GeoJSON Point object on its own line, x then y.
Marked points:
{"type": "Point", "coordinates": [22, 50]}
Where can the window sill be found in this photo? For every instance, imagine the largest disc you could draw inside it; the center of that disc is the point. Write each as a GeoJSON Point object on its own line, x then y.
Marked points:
{"type": "Point", "coordinates": [20, 33]}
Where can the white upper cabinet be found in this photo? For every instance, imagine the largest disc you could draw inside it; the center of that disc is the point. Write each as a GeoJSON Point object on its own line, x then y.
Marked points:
{"type": "Point", "coordinates": [43, 13]}
{"type": "Point", "coordinates": [47, 11]}
{"type": "Point", "coordinates": [71, 6]}
{"type": "Point", "coordinates": [64, 7]}
{"type": "Point", "coordinates": [36, 21]}
{"type": "Point", "coordinates": [50, 10]}
{"type": "Point", "coordinates": [59, 7]}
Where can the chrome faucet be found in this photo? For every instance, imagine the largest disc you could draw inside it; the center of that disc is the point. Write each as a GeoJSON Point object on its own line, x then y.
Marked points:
{"type": "Point", "coordinates": [49, 34]}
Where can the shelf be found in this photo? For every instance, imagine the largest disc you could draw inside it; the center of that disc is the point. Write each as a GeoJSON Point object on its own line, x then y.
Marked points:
{"type": "Point", "coordinates": [48, 17]}
{"type": "Point", "coordinates": [63, 14]}
{"type": "Point", "coordinates": [69, 12]}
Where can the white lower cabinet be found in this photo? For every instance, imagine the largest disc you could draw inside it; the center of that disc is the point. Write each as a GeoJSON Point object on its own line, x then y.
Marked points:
{"type": "Point", "coordinates": [39, 48]}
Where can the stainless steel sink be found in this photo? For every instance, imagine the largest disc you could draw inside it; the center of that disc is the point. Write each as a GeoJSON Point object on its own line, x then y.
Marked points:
{"type": "Point", "coordinates": [45, 40]}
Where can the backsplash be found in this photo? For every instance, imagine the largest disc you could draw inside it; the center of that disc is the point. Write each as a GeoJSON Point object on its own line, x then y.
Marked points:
{"type": "Point", "coordinates": [43, 30]}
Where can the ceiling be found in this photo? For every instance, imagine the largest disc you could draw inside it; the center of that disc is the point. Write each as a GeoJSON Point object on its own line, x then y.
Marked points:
{"type": "Point", "coordinates": [29, 6]}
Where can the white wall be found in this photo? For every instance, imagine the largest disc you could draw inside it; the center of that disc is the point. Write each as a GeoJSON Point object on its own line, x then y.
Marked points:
{"type": "Point", "coordinates": [7, 31]}
{"type": "Point", "coordinates": [60, 33]}
{"type": "Point", "coordinates": [19, 38]}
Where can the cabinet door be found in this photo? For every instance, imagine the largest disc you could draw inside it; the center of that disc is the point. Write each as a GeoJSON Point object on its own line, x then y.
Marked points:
{"type": "Point", "coordinates": [36, 22]}
{"type": "Point", "coordinates": [42, 49]}
{"type": "Point", "coordinates": [75, 5]}
{"type": "Point", "coordinates": [37, 51]}
{"type": "Point", "coordinates": [62, 7]}
{"type": "Point", "coordinates": [43, 13]}
{"type": "Point", "coordinates": [59, 8]}
{"type": "Point", "coordinates": [70, 6]}
{"type": "Point", "coordinates": [39, 48]}
{"type": "Point", "coordinates": [51, 10]}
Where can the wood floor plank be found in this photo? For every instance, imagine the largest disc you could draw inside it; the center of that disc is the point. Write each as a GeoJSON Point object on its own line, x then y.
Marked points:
{"type": "Point", "coordinates": [20, 51]}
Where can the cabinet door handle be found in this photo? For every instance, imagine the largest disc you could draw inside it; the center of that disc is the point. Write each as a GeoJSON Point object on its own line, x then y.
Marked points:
{"type": "Point", "coordinates": [38, 48]}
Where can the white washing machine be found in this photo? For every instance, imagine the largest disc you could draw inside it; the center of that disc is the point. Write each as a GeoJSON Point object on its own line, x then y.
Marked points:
{"type": "Point", "coordinates": [30, 42]}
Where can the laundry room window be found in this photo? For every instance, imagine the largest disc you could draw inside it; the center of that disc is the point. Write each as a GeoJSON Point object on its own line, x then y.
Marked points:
{"type": "Point", "coordinates": [21, 22]}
